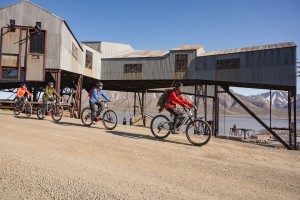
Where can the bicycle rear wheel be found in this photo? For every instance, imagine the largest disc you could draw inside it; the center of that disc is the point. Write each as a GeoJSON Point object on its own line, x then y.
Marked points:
{"type": "Point", "coordinates": [160, 126]}
{"type": "Point", "coordinates": [110, 119]}
{"type": "Point", "coordinates": [86, 116]}
{"type": "Point", "coordinates": [41, 112]}
{"type": "Point", "coordinates": [28, 109]}
{"type": "Point", "coordinates": [198, 132]}
{"type": "Point", "coordinates": [57, 113]}
{"type": "Point", "coordinates": [16, 108]}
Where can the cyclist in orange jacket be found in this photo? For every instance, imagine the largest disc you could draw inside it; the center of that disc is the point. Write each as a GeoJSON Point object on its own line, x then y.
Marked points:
{"type": "Point", "coordinates": [21, 92]}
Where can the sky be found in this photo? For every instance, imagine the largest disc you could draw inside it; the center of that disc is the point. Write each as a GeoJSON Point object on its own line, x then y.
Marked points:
{"type": "Point", "coordinates": [165, 24]}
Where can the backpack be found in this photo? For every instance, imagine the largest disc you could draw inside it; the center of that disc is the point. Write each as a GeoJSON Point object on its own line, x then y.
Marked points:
{"type": "Point", "coordinates": [91, 92]}
{"type": "Point", "coordinates": [163, 99]}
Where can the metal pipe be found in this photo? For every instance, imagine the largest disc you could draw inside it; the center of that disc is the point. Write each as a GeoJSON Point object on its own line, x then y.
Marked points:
{"type": "Point", "coordinates": [19, 56]}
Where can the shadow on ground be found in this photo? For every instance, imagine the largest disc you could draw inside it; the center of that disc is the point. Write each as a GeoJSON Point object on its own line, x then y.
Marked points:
{"type": "Point", "coordinates": [147, 137]}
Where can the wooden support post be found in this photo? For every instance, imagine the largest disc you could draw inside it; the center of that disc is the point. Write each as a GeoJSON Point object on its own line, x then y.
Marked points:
{"type": "Point", "coordinates": [134, 106]}
{"type": "Point", "coordinates": [1, 39]}
{"type": "Point", "coordinates": [289, 117]}
{"type": "Point", "coordinates": [295, 117]}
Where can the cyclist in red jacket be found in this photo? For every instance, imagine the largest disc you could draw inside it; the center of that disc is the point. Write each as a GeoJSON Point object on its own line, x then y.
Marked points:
{"type": "Point", "coordinates": [175, 98]}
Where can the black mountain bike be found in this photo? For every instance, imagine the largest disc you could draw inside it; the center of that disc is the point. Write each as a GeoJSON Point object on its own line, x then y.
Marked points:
{"type": "Point", "coordinates": [109, 117]}
{"type": "Point", "coordinates": [198, 132]}
{"type": "Point", "coordinates": [55, 109]}
{"type": "Point", "coordinates": [23, 106]}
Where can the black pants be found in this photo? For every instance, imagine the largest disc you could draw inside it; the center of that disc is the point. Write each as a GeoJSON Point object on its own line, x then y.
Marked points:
{"type": "Point", "coordinates": [93, 108]}
{"type": "Point", "coordinates": [176, 114]}
{"type": "Point", "coordinates": [20, 101]}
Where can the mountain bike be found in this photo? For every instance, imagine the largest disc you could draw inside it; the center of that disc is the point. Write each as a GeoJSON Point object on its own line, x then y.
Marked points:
{"type": "Point", "coordinates": [53, 108]}
{"type": "Point", "coordinates": [23, 106]}
{"type": "Point", "coordinates": [198, 132]}
{"type": "Point", "coordinates": [109, 117]}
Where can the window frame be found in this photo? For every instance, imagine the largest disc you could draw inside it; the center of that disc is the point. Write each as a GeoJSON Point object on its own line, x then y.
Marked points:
{"type": "Point", "coordinates": [231, 63]}
{"type": "Point", "coordinates": [181, 62]}
{"type": "Point", "coordinates": [133, 68]}
{"type": "Point", "coordinates": [88, 59]}
{"type": "Point", "coordinates": [32, 35]}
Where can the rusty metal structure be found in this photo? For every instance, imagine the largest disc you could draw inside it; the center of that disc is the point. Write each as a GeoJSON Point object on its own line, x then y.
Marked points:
{"type": "Point", "coordinates": [41, 47]}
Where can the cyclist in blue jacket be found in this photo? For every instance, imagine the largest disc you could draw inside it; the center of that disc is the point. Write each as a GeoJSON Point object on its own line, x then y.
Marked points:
{"type": "Point", "coordinates": [95, 99]}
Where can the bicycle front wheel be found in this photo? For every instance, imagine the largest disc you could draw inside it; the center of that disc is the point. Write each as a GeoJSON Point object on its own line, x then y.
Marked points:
{"type": "Point", "coordinates": [110, 119]}
{"type": "Point", "coordinates": [16, 108]}
{"type": "Point", "coordinates": [160, 126]}
{"type": "Point", "coordinates": [41, 112]}
{"type": "Point", "coordinates": [57, 113]}
{"type": "Point", "coordinates": [198, 132]}
{"type": "Point", "coordinates": [86, 116]}
{"type": "Point", "coordinates": [28, 109]}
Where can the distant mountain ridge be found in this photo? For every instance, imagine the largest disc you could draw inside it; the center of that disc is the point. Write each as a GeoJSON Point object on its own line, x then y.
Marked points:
{"type": "Point", "coordinates": [259, 103]}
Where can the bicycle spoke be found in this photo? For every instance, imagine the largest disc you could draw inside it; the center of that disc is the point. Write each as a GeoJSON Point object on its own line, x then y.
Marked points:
{"type": "Point", "coordinates": [110, 119]}
{"type": "Point", "coordinates": [160, 126]}
{"type": "Point", "coordinates": [198, 132]}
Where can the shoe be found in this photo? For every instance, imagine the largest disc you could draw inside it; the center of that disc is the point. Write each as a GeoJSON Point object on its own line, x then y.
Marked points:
{"type": "Point", "coordinates": [174, 131]}
{"type": "Point", "coordinates": [97, 119]}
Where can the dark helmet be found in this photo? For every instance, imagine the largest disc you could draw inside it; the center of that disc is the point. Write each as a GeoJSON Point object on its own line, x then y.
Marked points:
{"type": "Point", "coordinates": [177, 84]}
{"type": "Point", "coordinates": [50, 83]}
{"type": "Point", "coordinates": [23, 84]}
{"type": "Point", "coordinates": [99, 84]}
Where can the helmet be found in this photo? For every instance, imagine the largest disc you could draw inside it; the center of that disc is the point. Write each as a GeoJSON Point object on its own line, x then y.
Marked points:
{"type": "Point", "coordinates": [23, 84]}
{"type": "Point", "coordinates": [177, 84]}
{"type": "Point", "coordinates": [50, 83]}
{"type": "Point", "coordinates": [99, 84]}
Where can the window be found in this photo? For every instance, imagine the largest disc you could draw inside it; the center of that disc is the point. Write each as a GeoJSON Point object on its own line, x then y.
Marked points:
{"type": "Point", "coordinates": [12, 23]}
{"type": "Point", "coordinates": [9, 73]}
{"type": "Point", "coordinates": [39, 24]}
{"type": "Point", "coordinates": [88, 59]}
{"type": "Point", "coordinates": [181, 62]}
{"type": "Point", "coordinates": [133, 68]}
{"type": "Point", "coordinates": [37, 42]}
{"type": "Point", "coordinates": [233, 63]}
{"type": "Point", "coordinates": [74, 51]}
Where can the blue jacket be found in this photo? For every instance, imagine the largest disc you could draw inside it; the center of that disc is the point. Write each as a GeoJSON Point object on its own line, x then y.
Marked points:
{"type": "Point", "coordinates": [96, 95]}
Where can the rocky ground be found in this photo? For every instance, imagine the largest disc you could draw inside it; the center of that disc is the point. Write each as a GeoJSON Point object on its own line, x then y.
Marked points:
{"type": "Point", "coordinates": [44, 160]}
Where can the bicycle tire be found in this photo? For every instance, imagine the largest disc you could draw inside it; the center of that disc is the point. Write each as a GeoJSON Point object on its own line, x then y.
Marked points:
{"type": "Point", "coordinates": [40, 112]}
{"type": "Point", "coordinates": [28, 109]}
{"type": "Point", "coordinates": [57, 113]}
{"type": "Point", "coordinates": [16, 108]}
{"type": "Point", "coordinates": [156, 121]}
{"type": "Point", "coordinates": [202, 132]}
{"type": "Point", "coordinates": [86, 115]}
{"type": "Point", "coordinates": [110, 119]}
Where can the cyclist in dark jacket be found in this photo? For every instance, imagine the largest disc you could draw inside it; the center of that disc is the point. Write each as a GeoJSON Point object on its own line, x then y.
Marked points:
{"type": "Point", "coordinates": [175, 98]}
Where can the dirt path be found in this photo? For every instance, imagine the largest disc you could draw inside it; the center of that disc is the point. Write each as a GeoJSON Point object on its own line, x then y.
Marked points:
{"type": "Point", "coordinates": [44, 160]}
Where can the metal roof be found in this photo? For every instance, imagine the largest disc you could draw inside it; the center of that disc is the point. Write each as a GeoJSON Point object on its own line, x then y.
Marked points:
{"type": "Point", "coordinates": [142, 53]}
{"type": "Point", "coordinates": [253, 48]}
{"type": "Point", "coordinates": [194, 47]}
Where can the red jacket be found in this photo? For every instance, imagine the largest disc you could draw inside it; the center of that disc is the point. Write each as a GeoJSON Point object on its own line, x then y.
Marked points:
{"type": "Point", "coordinates": [176, 98]}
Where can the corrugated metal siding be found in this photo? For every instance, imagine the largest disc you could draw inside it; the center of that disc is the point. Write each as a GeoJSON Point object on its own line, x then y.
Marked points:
{"type": "Point", "coordinates": [27, 14]}
{"type": "Point", "coordinates": [68, 62]}
{"type": "Point", "coordinates": [109, 49]}
{"type": "Point", "coordinates": [96, 66]}
{"type": "Point", "coordinates": [153, 68]}
{"type": "Point", "coordinates": [271, 66]}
